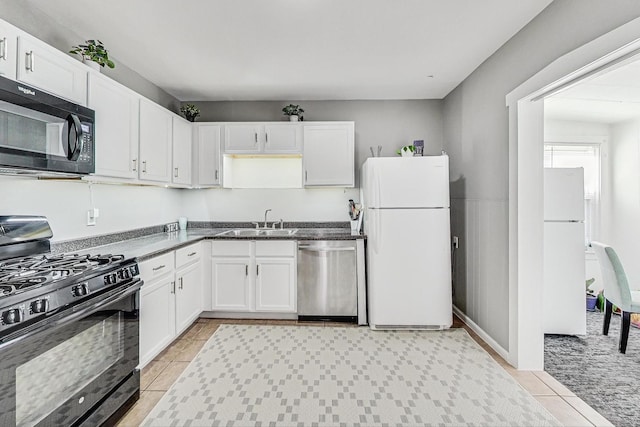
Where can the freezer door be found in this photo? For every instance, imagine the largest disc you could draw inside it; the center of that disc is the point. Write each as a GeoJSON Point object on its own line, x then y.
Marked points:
{"type": "Point", "coordinates": [564, 194]}
{"type": "Point", "coordinates": [406, 182]}
{"type": "Point", "coordinates": [563, 293]}
{"type": "Point", "coordinates": [409, 268]}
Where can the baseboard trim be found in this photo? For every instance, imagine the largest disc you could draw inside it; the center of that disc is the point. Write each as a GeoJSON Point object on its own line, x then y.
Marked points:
{"type": "Point", "coordinates": [482, 334]}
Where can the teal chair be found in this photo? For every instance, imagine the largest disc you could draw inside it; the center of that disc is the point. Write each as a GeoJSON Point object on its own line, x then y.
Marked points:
{"type": "Point", "coordinates": [616, 292]}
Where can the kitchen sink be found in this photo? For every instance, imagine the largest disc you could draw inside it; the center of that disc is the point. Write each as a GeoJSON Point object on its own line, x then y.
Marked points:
{"type": "Point", "coordinates": [250, 232]}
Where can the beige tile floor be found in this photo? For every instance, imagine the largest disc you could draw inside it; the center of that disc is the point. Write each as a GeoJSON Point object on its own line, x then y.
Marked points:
{"type": "Point", "coordinates": [158, 376]}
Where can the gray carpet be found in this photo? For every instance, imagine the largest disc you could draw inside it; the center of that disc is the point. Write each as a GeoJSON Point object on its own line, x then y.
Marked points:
{"type": "Point", "coordinates": [595, 371]}
{"type": "Point", "coordinates": [250, 375]}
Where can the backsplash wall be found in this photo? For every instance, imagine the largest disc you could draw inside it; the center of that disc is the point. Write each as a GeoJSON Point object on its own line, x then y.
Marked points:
{"type": "Point", "coordinates": [65, 204]}
{"type": "Point", "coordinates": [328, 204]}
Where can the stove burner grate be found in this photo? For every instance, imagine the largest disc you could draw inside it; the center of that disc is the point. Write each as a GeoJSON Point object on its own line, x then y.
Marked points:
{"type": "Point", "coordinates": [20, 274]}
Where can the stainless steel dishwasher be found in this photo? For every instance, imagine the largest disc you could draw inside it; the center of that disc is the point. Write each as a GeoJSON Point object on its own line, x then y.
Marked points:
{"type": "Point", "coordinates": [327, 280]}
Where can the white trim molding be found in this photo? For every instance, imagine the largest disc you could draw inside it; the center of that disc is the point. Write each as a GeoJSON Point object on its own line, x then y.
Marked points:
{"type": "Point", "coordinates": [526, 138]}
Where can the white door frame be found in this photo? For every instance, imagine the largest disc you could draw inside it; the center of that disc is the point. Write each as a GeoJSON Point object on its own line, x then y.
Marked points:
{"type": "Point", "coordinates": [526, 130]}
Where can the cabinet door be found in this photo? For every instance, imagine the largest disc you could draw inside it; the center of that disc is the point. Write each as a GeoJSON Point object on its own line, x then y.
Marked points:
{"type": "Point", "coordinates": [182, 142]}
{"type": "Point", "coordinates": [8, 50]}
{"type": "Point", "coordinates": [42, 66]}
{"type": "Point", "coordinates": [328, 155]}
{"type": "Point", "coordinates": [208, 155]}
{"type": "Point", "coordinates": [245, 138]}
{"type": "Point", "coordinates": [155, 142]}
{"type": "Point", "coordinates": [283, 138]}
{"type": "Point", "coordinates": [188, 296]}
{"type": "Point", "coordinates": [231, 284]}
{"type": "Point", "coordinates": [157, 317]}
{"type": "Point", "coordinates": [275, 284]}
{"type": "Point", "coordinates": [116, 129]}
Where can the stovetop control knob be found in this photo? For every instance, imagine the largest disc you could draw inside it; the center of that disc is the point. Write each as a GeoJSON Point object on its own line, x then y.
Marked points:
{"type": "Point", "coordinates": [80, 290]}
{"type": "Point", "coordinates": [12, 316]}
{"type": "Point", "coordinates": [40, 306]}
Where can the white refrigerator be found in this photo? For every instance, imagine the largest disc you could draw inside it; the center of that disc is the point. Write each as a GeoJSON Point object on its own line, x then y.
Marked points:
{"type": "Point", "coordinates": [563, 293]}
{"type": "Point", "coordinates": [406, 220]}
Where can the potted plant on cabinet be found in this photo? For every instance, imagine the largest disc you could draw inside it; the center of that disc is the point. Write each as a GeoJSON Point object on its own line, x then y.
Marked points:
{"type": "Point", "coordinates": [293, 111]}
{"type": "Point", "coordinates": [190, 111]}
{"type": "Point", "coordinates": [406, 151]}
{"type": "Point", "coordinates": [94, 54]}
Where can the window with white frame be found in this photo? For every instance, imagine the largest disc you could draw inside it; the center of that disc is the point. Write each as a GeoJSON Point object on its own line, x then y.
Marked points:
{"type": "Point", "coordinates": [587, 156]}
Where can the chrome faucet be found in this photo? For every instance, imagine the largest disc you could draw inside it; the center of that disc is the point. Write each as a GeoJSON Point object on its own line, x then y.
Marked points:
{"type": "Point", "coordinates": [265, 217]}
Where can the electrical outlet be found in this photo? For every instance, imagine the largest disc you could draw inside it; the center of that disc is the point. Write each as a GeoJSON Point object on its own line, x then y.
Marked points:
{"type": "Point", "coordinates": [92, 215]}
{"type": "Point", "coordinates": [456, 242]}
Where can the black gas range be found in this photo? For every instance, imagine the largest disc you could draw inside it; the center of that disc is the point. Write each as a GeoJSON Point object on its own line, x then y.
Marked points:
{"type": "Point", "coordinates": [68, 330]}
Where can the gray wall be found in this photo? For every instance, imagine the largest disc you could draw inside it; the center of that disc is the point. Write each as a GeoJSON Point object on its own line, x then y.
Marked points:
{"type": "Point", "coordinates": [391, 124]}
{"type": "Point", "coordinates": [33, 21]}
{"type": "Point", "coordinates": [476, 137]}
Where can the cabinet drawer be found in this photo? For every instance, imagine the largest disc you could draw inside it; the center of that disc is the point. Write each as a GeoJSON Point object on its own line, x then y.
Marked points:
{"type": "Point", "coordinates": [188, 254]}
{"type": "Point", "coordinates": [231, 248]}
{"type": "Point", "coordinates": [270, 248]}
{"type": "Point", "coordinates": [157, 266]}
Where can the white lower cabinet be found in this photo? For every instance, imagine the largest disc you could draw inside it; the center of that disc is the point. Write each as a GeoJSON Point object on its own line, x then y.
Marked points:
{"type": "Point", "coordinates": [188, 296]}
{"type": "Point", "coordinates": [157, 317]}
{"type": "Point", "coordinates": [253, 276]}
{"type": "Point", "coordinates": [170, 299]}
{"type": "Point", "coordinates": [231, 284]}
{"type": "Point", "coordinates": [275, 284]}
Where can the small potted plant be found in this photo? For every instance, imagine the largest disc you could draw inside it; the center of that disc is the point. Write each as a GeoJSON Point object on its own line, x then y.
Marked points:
{"type": "Point", "coordinates": [591, 295]}
{"type": "Point", "coordinates": [190, 112]}
{"type": "Point", "coordinates": [406, 151]}
{"type": "Point", "coordinates": [94, 54]}
{"type": "Point", "coordinates": [293, 111]}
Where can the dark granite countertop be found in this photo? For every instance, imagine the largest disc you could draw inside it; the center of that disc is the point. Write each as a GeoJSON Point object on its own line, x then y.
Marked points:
{"type": "Point", "coordinates": [149, 246]}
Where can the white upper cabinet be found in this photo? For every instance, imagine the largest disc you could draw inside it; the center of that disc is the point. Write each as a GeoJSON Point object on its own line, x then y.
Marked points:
{"type": "Point", "coordinates": [44, 67]}
{"type": "Point", "coordinates": [262, 138]}
{"type": "Point", "coordinates": [116, 128]}
{"type": "Point", "coordinates": [8, 50]}
{"type": "Point", "coordinates": [328, 155]}
{"type": "Point", "coordinates": [155, 142]}
{"type": "Point", "coordinates": [243, 138]}
{"type": "Point", "coordinates": [182, 143]}
{"type": "Point", "coordinates": [207, 155]}
{"type": "Point", "coordinates": [282, 138]}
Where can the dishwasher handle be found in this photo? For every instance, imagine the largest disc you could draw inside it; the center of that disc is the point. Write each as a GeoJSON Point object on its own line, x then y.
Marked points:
{"type": "Point", "coordinates": [321, 249]}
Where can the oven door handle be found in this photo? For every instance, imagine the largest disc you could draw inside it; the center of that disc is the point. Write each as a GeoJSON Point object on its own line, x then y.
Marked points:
{"type": "Point", "coordinates": [78, 312]}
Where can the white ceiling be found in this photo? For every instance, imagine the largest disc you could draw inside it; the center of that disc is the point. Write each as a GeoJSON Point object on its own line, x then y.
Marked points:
{"type": "Point", "coordinates": [607, 98]}
{"type": "Point", "coordinates": [298, 49]}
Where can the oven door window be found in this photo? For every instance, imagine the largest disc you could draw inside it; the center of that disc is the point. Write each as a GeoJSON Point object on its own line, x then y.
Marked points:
{"type": "Point", "coordinates": [25, 130]}
{"type": "Point", "coordinates": [46, 381]}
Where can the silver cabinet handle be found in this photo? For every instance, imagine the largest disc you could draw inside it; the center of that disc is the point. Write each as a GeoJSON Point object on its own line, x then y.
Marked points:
{"type": "Point", "coordinates": [246, 269]}
{"type": "Point", "coordinates": [160, 267]}
{"type": "Point", "coordinates": [305, 176]}
{"type": "Point", "coordinates": [29, 62]}
{"type": "Point", "coordinates": [266, 138]}
{"type": "Point", "coordinates": [257, 269]}
{"type": "Point", "coordinates": [216, 174]}
{"type": "Point", "coordinates": [134, 164]}
{"type": "Point", "coordinates": [256, 136]}
{"type": "Point", "coordinates": [3, 45]}
{"type": "Point", "coordinates": [192, 253]}
{"type": "Point", "coordinates": [181, 283]}
{"type": "Point", "coordinates": [175, 175]}
{"type": "Point", "coordinates": [144, 166]}
{"type": "Point", "coordinates": [173, 287]}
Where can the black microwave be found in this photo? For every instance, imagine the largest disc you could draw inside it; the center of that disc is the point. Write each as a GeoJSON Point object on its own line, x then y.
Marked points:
{"type": "Point", "coordinates": [43, 134]}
